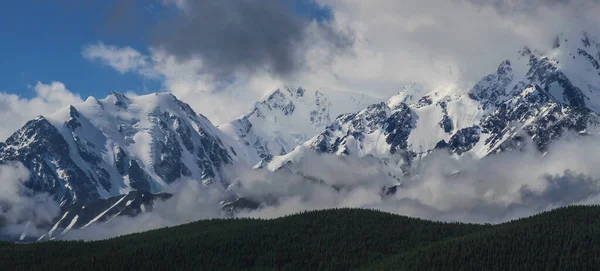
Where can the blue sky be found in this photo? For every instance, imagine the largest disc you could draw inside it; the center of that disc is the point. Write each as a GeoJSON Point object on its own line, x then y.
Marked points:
{"type": "Point", "coordinates": [43, 41]}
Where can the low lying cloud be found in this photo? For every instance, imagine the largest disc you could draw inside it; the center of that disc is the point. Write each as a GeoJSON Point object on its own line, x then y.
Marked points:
{"type": "Point", "coordinates": [501, 187]}
{"type": "Point", "coordinates": [192, 201]}
{"type": "Point", "coordinates": [492, 190]}
{"type": "Point", "coordinates": [21, 210]}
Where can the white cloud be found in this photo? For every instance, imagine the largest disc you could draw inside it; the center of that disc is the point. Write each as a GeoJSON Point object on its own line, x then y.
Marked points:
{"type": "Point", "coordinates": [220, 101]}
{"type": "Point", "coordinates": [15, 111]}
{"type": "Point", "coordinates": [20, 209]}
{"type": "Point", "coordinates": [192, 201]}
{"type": "Point", "coordinates": [491, 190]}
{"type": "Point", "coordinates": [125, 59]}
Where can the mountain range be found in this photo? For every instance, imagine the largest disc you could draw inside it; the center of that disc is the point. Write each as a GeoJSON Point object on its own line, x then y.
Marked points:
{"type": "Point", "coordinates": [115, 156]}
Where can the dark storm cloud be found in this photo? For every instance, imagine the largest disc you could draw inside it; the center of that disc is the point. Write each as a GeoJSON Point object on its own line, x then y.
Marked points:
{"type": "Point", "coordinates": [227, 35]}
{"type": "Point", "coordinates": [246, 35]}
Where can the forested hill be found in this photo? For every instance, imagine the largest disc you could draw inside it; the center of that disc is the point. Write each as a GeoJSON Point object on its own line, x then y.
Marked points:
{"type": "Point", "coordinates": [563, 239]}
{"type": "Point", "coordinates": [343, 239]}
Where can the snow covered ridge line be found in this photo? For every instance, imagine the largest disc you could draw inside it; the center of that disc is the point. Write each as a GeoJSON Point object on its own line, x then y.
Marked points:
{"type": "Point", "coordinates": [108, 147]}
{"type": "Point", "coordinates": [531, 99]}
{"type": "Point", "coordinates": [104, 148]}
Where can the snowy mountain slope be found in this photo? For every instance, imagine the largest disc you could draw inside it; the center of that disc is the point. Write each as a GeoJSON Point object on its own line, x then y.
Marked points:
{"type": "Point", "coordinates": [533, 97]}
{"type": "Point", "coordinates": [288, 117]}
{"type": "Point", "coordinates": [104, 148]}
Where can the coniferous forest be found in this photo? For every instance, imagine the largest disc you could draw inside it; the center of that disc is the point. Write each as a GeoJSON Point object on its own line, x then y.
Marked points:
{"type": "Point", "coordinates": [343, 239]}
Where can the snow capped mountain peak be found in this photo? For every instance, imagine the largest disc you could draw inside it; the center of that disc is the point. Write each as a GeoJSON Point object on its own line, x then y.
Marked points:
{"type": "Point", "coordinates": [410, 93]}
{"type": "Point", "coordinates": [118, 99]}
{"type": "Point", "coordinates": [493, 86]}
{"type": "Point", "coordinates": [287, 117]}
{"type": "Point", "coordinates": [570, 71]}
{"type": "Point", "coordinates": [104, 148]}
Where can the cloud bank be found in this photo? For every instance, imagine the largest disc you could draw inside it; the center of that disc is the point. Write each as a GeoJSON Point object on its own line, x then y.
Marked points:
{"type": "Point", "coordinates": [21, 210]}
{"type": "Point", "coordinates": [494, 189]}
{"type": "Point", "coordinates": [491, 190]}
